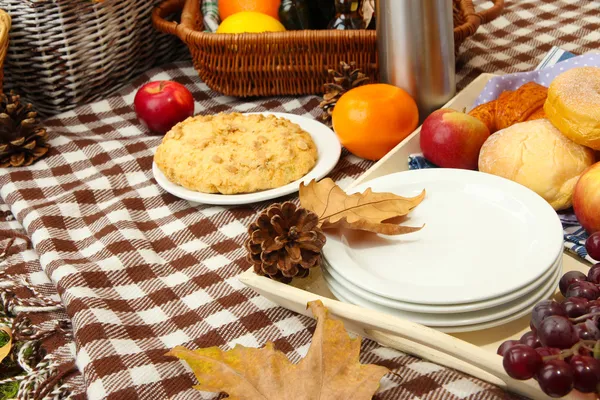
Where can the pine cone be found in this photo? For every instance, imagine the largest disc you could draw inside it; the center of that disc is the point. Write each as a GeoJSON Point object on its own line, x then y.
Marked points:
{"type": "Point", "coordinates": [22, 138]}
{"type": "Point", "coordinates": [348, 78]}
{"type": "Point", "coordinates": [285, 242]}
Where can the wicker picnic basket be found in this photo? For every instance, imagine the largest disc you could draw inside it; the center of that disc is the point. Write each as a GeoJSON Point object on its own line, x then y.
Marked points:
{"type": "Point", "coordinates": [64, 53]}
{"type": "Point", "coordinates": [286, 63]}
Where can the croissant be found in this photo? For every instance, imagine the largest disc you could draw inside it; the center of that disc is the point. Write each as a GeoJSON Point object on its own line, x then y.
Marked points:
{"type": "Point", "coordinates": [513, 106]}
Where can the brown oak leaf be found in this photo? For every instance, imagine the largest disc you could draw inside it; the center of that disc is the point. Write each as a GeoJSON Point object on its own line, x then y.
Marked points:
{"type": "Point", "coordinates": [365, 211]}
{"type": "Point", "coordinates": [331, 369]}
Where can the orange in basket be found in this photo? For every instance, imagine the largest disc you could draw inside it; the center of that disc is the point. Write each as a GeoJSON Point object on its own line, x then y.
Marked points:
{"type": "Point", "coordinates": [371, 120]}
{"type": "Point", "coordinates": [230, 7]}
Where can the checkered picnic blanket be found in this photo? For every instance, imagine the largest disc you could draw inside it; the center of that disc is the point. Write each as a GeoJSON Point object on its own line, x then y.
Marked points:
{"type": "Point", "coordinates": [140, 271]}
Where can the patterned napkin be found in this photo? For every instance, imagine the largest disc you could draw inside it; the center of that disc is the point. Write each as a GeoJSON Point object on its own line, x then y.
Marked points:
{"type": "Point", "coordinates": [542, 76]}
{"type": "Point", "coordinates": [575, 236]}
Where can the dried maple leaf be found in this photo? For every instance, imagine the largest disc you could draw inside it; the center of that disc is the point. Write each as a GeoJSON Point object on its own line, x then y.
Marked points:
{"type": "Point", "coordinates": [366, 211]}
{"type": "Point", "coordinates": [330, 370]}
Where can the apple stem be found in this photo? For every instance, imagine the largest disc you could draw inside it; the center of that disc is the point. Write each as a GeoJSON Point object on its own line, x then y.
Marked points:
{"type": "Point", "coordinates": [161, 86]}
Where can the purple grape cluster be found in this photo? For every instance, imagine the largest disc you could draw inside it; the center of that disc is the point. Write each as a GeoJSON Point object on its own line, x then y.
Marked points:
{"type": "Point", "coordinates": [592, 246]}
{"type": "Point", "coordinates": [562, 350]}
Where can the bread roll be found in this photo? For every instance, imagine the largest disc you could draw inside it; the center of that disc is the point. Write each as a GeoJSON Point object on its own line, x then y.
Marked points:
{"type": "Point", "coordinates": [535, 154]}
{"type": "Point", "coordinates": [573, 105]}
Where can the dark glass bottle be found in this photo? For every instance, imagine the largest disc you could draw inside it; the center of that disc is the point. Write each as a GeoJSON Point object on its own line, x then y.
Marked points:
{"type": "Point", "coordinates": [321, 13]}
{"type": "Point", "coordinates": [372, 23]}
{"type": "Point", "coordinates": [295, 14]}
{"type": "Point", "coordinates": [347, 15]}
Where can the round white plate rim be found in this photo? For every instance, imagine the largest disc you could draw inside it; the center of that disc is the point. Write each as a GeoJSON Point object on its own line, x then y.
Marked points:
{"type": "Point", "coordinates": [470, 328]}
{"type": "Point", "coordinates": [503, 311]}
{"type": "Point", "coordinates": [383, 288]}
{"type": "Point", "coordinates": [434, 319]}
{"type": "Point", "coordinates": [433, 309]}
{"type": "Point", "coordinates": [481, 326]}
{"type": "Point", "coordinates": [329, 149]}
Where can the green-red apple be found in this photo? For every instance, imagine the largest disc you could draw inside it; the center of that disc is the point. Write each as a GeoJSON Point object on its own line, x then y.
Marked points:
{"type": "Point", "coordinates": [586, 199]}
{"type": "Point", "coordinates": [452, 139]}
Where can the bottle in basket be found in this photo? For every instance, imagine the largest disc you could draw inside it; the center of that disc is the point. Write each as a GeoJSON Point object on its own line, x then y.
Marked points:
{"type": "Point", "coordinates": [347, 15]}
{"type": "Point", "coordinates": [415, 42]}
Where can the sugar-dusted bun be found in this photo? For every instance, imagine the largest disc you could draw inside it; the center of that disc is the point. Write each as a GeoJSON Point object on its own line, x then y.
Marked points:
{"type": "Point", "coordinates": [573, 105]}
{"type": "Point", "coordinates": [535, 154]}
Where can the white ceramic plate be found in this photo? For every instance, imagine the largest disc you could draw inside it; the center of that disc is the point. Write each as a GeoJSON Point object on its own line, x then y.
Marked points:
{"type": "Point", "coordinates": [492, 321]}
{"type": "Point", "coordinates": [454, 319]}
{"type": "Point", "coordinates": [485, 237]}
{"type": "Point", "coordinates": [433, 309]}
{"type": "Point", "coordinates": [329, 149]}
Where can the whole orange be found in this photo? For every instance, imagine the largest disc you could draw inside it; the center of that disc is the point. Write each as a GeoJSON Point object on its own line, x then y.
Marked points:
{"type": "Point", "coordinates": [230, 7]}
{"type": "Point", "coordinates": [371, 120]}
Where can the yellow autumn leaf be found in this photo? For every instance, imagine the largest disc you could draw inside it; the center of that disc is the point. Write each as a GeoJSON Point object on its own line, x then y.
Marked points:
{"type": "Point", "coordinates": [5, 350]}
{"type": "Point", "coordinates": [331, 369]}
{"type": "Point", "coordinates": [367, 211]}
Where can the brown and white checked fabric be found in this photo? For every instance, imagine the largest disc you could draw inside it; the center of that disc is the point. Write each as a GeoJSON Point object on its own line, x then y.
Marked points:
{"type": "Point", "coordinates": [520, 38]}
{"type": "Point", "coordinates": [39, 322]}
{"type": "Point", "coordinates": [140, 271]}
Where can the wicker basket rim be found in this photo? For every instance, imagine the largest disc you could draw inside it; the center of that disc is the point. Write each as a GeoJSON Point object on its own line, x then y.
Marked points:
{"type": "Point", "coordinates": [191, 12]}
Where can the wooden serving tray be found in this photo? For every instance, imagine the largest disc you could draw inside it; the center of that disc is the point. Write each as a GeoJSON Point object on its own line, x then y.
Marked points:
{"type": "Point", "coordinates": [473, 353]}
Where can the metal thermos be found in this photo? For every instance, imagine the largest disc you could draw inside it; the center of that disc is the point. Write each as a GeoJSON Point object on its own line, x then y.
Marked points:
{"type": "Point", "coordinates": [415, 42]}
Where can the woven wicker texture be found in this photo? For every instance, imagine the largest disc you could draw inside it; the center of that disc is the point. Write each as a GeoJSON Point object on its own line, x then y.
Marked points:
{"type": "Point", "coordinates": [65, 53]}
{"type": "Point", "coordinates": [286, 63]}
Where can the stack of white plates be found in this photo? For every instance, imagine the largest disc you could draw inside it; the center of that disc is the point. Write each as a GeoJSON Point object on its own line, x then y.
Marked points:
{"type": "Point", "coordinates": [490, 250]}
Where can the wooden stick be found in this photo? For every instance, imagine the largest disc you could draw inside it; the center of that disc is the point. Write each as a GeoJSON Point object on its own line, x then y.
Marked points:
{"type": "Point", "coordinates": [400, 334]}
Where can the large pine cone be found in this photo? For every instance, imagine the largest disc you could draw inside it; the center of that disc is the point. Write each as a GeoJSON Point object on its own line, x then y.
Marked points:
{"type": "Point", "coordinates": [347, 78]}
{"type": "Point", "coordinates": [284, 242]}
{"type": "Point", "coordinates": [22, 138]}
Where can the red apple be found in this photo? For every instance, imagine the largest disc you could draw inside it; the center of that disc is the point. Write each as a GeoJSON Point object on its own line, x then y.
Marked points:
{"type": "Point", "coordinates": [452, 139]}
{"type": "Point", "coordinates": [586, 199]}
{"type": "Point", "coordinates": [160, 105]}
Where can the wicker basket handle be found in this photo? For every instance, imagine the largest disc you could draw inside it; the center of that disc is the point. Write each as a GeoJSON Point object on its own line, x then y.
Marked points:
{"type": "Point", "coordinates": [5, 25]}
{"type": "Point", "coordinates": [190, 14]}
{"type": "Point", "coordinates": [491, 13]}
{"type": "Point", "coordinates": [163, 10]}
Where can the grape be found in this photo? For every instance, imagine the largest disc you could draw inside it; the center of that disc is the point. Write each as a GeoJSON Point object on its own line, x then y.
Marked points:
{"type": "Point", "coordinates": [544, 309]}
{"type": "Point", "coordinates": [593, 307]}
{"type": "Point", "coordinates": [557, 331]}
{"type": "Point", "coordinates": [575, 306]}
{"type": "Point", "coordinates": [568, 279]}
{"type": "Point", "coordinates": [530, 339]}
{"type": "Point", "coordinates": [583, 331]}
{"type": "Point", "coordinates": [592, 245]}
{"type": "Point", "coordinates": [587, 290]}
{"type": "Point", "coordinates": [584, 352]}
{"type": "Point", "coordinates": [587, 330]}
{"type": "Point", "coordinates": [533, 328]}
{"type": "Point", "coordinates": [547, 351]}
{"type": "Point", "coordinates": [586, 373]}
{"type": "Point", "coordinates": [594, 274]}
{"type": "Point", "coordinates": [521, 362]}
{"type": "Point", "coordinates": [505, 346]}
{"type": "Point", "coordinates": [555, 378]}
